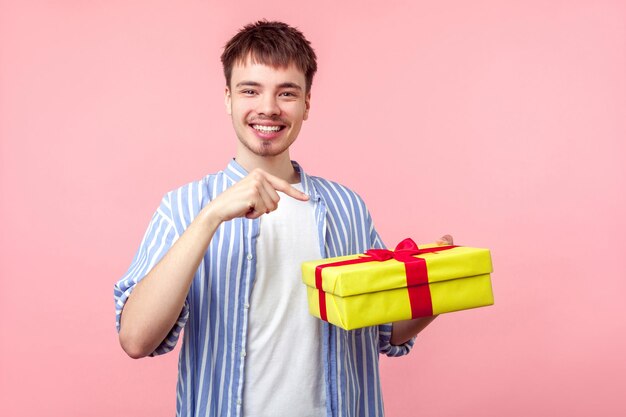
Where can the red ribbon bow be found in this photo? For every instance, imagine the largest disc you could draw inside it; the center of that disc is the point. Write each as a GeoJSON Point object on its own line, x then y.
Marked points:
{"type": "Point", "coordinates": [404, 252]}
{"type": "Point", "coordinates": [416, 274]}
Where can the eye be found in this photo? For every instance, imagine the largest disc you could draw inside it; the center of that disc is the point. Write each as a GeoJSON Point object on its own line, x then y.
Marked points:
{"type": "Point", "coordinates": [287, 94]}
{"type": "Point", "coordinates": [248, 92]}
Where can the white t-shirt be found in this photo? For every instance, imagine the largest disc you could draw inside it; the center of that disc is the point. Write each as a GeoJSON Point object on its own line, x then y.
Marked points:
{"type": "Point", "coordinates": [283, 370]}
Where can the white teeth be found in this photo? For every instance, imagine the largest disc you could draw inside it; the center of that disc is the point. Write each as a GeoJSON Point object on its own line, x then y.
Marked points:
{"type": "Point", "coordinates": [266, 128]}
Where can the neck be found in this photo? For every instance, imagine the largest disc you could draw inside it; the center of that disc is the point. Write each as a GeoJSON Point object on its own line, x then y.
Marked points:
{"type": "Point", "coordinates": [278, 166]}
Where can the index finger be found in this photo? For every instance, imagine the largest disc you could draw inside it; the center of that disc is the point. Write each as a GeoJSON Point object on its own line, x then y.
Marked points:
{"type": "Point", "coordinates": [285, 187]}
{"type": "Point", "coordinates": [445, 240]}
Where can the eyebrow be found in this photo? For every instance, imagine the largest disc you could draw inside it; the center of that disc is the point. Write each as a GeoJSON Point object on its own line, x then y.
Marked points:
{"type": "Point", "coordinates": [256, 84]}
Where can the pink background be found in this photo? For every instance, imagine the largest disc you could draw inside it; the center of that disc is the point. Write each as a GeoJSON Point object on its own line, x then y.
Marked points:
{"type": "Point", "coordinates": [501, 123]}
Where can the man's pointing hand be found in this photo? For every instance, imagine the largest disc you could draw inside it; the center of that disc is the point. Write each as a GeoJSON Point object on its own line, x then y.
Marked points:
{"type": "Point", "coordinates": [253, 196]}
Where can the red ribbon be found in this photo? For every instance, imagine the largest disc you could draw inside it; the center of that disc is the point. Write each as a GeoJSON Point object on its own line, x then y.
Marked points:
{"type": "Point", "coordinates": [416, 274]}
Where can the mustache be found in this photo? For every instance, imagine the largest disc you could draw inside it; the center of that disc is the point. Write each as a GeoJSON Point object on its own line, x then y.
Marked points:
{"type": "Point", "coordinates": [268, 119]}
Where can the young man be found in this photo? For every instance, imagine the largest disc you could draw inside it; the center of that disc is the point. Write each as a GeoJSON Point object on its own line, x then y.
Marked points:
{"type": "Point", "coordinates": [221, 259]}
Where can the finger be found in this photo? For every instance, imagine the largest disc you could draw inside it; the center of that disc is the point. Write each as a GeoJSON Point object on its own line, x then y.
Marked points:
{"type": "Point", "coordinates": [257, 208]}
{"type": "Point", "coordinates": [254, 214]}
{"type": "Point", "coordinates": [254, 189]}
{"type": "Point", "coordinates": [268, 202]}
{"type": "Point", "coordinates": [445, 240]}
{"type": "Point", "coordinates": [285, 187]}
{"type": "Point", "coordinates": [274, 198]}
{"type": "Point", "coordinates": [255, 205]}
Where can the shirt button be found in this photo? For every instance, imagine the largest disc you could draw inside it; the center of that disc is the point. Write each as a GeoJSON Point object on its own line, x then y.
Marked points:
{"type": "Point", "coordinates": [246, 306]}
{"type": "Point", "coordinates": [239, 401]}
{"type": "Point", "coordinates": [243, 354]}
{"type": "Point", "coordinates": [249, 257]}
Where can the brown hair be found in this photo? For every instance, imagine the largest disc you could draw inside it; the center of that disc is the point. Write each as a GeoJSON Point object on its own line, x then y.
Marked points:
{"type": "Point", "coordinates": [270, 43]}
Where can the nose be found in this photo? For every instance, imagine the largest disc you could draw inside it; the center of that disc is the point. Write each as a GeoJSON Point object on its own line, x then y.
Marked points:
{"type": "Point", "coordinates": [268, 105]}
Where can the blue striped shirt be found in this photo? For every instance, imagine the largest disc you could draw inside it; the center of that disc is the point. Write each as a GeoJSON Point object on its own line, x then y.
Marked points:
{"type": "Point", "coordinates": [215, 312]}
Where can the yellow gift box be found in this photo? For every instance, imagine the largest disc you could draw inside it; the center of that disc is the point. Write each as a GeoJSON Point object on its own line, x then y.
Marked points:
{"type": "Point", "coordinates": [383, 286]}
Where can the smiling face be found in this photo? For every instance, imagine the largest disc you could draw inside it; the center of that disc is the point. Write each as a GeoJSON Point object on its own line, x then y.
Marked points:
{"type": "Point", "coordinates": [267, 106]}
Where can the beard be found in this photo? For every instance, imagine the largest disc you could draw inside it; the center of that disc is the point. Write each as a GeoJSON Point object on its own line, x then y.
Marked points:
{"type": "Point", "coordinates": [265, 147]}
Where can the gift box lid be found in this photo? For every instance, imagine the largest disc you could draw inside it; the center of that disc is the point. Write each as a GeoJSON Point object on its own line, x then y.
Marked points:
{"type": "Point", "coordinates": [371, 276]}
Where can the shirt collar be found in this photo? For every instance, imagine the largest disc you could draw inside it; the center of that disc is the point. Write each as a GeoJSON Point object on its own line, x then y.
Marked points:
{"type": "Point", "coordinates": [236, 172]}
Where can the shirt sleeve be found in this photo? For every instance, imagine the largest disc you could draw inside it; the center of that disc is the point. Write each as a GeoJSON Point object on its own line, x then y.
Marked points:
{"type": "Point", "coordinates": [384, 330]}
{"type": "Point", "coordinates": [385, 346]}
{"type": "Point", "coordinates": [158, 239]}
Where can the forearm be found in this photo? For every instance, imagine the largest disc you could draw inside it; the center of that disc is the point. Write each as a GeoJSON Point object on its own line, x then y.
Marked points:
{"type": "Point", "coordinates": [403, 331]}
{"type": "Point", "coordinates": [157, 300]}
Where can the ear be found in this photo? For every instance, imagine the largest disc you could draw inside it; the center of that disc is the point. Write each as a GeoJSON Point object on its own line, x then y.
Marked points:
{"type": "Point", "coordinates": [307, 105]}
{"type": "Point", "coordinates": [227, 101]}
